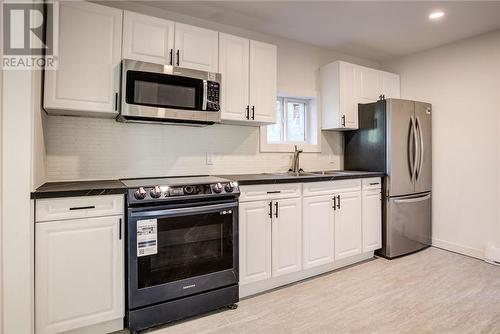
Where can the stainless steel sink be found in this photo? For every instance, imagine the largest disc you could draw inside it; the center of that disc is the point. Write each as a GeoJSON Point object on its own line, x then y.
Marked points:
{"type": "Point", "coordinates": [333, 172]}
{"type": "Point", "coordinates": [291, 174]}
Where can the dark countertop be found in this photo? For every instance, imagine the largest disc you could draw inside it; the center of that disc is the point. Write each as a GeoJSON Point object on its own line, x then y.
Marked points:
{"type": "Point", "coordinates": [270, 178]}
{"type": "Point", "coordinates": [79, 188]}
{"type": "Point", "coordinates": [112, 187]}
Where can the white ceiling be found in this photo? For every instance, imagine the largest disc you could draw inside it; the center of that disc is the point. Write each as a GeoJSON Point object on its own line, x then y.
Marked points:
{"type": "Point", "coordinates": [376, 30]}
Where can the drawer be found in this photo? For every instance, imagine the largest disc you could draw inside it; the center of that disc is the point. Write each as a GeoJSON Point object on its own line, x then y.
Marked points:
{"type": "Point", "coordinates": [269, 191]}
{"type": "Point", "coordinates": [78, 207]}
{"type": "Point", "coordinates": [372, 183]}
{"type": "Point", "coordinates": [330, 187]}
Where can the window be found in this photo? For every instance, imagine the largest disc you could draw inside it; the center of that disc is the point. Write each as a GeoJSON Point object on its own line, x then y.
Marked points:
{"type": "Point", "coordinates": [296, 124]}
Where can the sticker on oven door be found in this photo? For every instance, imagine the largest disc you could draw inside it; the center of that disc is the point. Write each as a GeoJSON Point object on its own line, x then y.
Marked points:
{"type": "Point", "coordinates": [147, 237]}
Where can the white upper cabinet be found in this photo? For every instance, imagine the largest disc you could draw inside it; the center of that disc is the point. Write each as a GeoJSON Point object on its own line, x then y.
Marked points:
{"type": "Point", "coordinates": [249, 71]}
{"type": "Point", "coordinates": [318, 225]}
{"type": "Point", "coordinates": [348, 225]}
{"type": "Point", "coordinates": [263, 76]}
{"type": "Point", "coordinates": [287, 236]}
{"type": "Point", "coordinates": [367, 81]}
{"type": "Point", "coordinates": [234, 60]}
{"type": "Point", "coordinates": [345, 85]}
{"type": "Point", "coordinates": [87, 79]}
{"type": "Point", "coordinates": [196, 48]}
{"type": "Point", "coordinates": [148, 39]}
{"type": "Point", "coordinates": [389, 84]}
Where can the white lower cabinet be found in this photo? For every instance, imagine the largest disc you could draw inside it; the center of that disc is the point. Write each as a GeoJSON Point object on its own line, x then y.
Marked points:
{"type": "Point", "coordinates": [372, 220]}
{"type": "Point", "coordinates": [254, 241]}
{"type": "Point", "coordinates": [318, 225]}
{"type": "Point", "coordinates": [286, 236]}
{"type": "Point", "coordinates": [79, 274]}
{"type": "Point", "coordinates": [348, 225]}
{"type": "Point", "coordinates": [289, 232]}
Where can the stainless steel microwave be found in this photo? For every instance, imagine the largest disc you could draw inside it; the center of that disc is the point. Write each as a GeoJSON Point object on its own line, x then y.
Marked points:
{"type": "Point", "coordinates": [164, 93]}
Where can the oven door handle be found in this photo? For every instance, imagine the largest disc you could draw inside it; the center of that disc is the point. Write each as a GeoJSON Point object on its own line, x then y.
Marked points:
{"type": "Point", "coordinates": [181, 211]}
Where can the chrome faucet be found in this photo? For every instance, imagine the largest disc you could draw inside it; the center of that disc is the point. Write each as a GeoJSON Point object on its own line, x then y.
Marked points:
{"type": "Point", "coordinates": [296, 161]}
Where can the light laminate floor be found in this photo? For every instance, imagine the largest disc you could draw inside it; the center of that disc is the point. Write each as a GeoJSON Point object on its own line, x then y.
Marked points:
{"type": "Point", "coordinates": [433, 291]}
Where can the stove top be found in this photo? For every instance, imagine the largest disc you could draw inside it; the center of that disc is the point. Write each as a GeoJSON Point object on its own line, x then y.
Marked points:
{"type": "Point", "coordinates": [178, 188]}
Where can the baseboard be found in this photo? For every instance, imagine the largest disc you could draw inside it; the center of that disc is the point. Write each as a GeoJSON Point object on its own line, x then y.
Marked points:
{"type": "Point", "coordinates": [473, 252]}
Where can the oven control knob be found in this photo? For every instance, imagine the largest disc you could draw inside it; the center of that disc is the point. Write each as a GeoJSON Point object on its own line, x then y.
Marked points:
{"type": "Point", "coordinates": [155, 192]}
{"type": "Point", "coordinates": [217, 187]}
{"type": "Point", "coordinates": [140, 193]}
{"type": "Point", "coordinates": [189, 190]}
{"type": "Point", "coordinates": [229, 187]}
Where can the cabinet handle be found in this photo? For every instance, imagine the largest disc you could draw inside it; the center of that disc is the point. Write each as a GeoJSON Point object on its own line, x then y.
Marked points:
{"type": "Point", "coordinates": [178, 56]}
{"type": "Point", "coordinates": [343, 120]}
{"type": "Point", "coordinates": [248, 113]}
{"type": "Point", "coordinates": [274, 192]}
{"type": "Point", "coordinates": [374, 183]}
{"type": "Point", "coordinates": [116, 101]}
{"type": "Point", "coordinates": [253, 112]}
{"type": "Point", "coordinates": [82, 207]}
{"type": "Point", "coordinates": [270, 209]}
{"type": "Point", "coordinates": [334, 203]}
{"type": "Point", "coordinates": [171, 56]}
{"type": "Point", "coordinates": [277, 209]}
{"type": "Point", "coordinates": [338, 202]}
{"type": "Point", "coordinates": [120, 230]}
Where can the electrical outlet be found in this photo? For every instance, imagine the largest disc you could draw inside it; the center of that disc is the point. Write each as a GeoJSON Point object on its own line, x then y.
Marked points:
{"type": "Point", "coordinates": [210, 158]}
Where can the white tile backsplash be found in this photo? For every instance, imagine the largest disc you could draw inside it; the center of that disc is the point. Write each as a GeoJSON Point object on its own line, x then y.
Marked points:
{"type": "Point", "coordinates": [89, 148]}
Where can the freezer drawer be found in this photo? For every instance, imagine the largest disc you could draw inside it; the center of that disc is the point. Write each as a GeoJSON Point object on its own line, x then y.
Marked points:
{"type": "Point", "coordinates": [408, 224]}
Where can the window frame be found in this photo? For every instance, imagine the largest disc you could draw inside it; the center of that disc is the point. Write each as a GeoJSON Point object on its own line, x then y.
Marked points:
{"type": "Point", "coordinates": [312, 131]}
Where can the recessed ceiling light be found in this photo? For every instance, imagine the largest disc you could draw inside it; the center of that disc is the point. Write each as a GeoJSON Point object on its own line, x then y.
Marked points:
{"type": "Point", "coordinates": [436, 15]}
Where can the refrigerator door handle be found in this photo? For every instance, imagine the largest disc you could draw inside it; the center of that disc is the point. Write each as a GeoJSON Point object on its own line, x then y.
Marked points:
{"type": "Point", "coordinates": [411, 157]}
{"type": "Point", "coordinates": [413, 199]}
{"type": "Point", "coordinates": [421, 151]}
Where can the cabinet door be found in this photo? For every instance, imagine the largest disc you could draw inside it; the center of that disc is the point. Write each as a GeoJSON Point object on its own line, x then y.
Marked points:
{"type": "Point", "coordinates": [263, 73]}
{"type": "Point", "coordinates": [348, 225]}
{"type": "Point", "coordinates": [287, 236]}
{"type": "Point", "coordinates": [88, 74]}
{"type": "Point", "coordinates": [372, 220]}
{"type": "Point", "coordinates": [389, 85]}
{"type": "Point", "coordinates": [348, 97]}
{"type": "Point", "coordinates": [79, 273]}
{"type": "Point", "coordinates": [255, 241]}
{"type": "Point", "coordinates": [368, 84]}
{"type": "Point", "coordinates": [234, 59]}
{"type": "Point", "coordinates": [147, 38]}
{"type": "Point", "coordinates": [196, 48]}
{"type": "Point", "coordinates": [318, 224]}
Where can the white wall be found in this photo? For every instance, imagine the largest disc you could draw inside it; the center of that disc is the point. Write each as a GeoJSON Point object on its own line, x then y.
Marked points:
{"type": "Point", "coordinates": [462, 81]}
{"type": "Point", "coordinates": [84, 148]}
{"type": "Point", "coordinates": [17, 219]}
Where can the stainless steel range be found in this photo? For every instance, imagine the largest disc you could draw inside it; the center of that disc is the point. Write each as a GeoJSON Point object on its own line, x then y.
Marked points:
{"type": "Point", "coordinates": [182, 248]}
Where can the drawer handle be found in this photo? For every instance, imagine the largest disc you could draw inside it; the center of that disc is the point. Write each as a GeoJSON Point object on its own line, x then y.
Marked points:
{"type": "Point", "coordinates": [274, 192]}
{"type": "Point", "coordinates": [374, 184]}
{"type": "Point", "coordinates": [82, 207]}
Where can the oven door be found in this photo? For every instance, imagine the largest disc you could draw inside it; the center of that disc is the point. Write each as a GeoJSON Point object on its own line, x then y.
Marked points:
{"type": "Point", "coordinates": [196, 251]}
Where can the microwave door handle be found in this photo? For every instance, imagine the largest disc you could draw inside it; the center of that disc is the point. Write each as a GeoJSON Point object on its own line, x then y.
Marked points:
{"type": "Point", "coordinates": [205, 97]}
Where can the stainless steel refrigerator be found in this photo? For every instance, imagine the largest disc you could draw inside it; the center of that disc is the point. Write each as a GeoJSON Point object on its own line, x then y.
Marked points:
{"type": "Point", "coordinates": [394, 137]}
